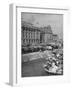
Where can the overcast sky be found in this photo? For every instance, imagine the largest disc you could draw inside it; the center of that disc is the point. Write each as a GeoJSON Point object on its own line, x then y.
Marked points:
{"type": "Point", "coordinates": [40, 20]}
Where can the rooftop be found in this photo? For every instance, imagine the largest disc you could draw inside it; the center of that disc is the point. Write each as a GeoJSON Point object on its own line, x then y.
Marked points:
{"type": "Point", "coordinates": [46, 29]}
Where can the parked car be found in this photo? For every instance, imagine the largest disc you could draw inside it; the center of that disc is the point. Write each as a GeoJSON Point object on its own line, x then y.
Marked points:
{"type": "Point", "coordinates": [24, 50]}
{"type": "Point", "coordinates": [48, 47]}
{"type": "Point", "coordinates": [55, 46]}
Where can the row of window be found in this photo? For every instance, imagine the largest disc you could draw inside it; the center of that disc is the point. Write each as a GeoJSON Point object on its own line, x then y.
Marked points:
{"type": "Point", "coordinates": [34, 35]}
{"type": "Point", "coordinates": [31, 41]}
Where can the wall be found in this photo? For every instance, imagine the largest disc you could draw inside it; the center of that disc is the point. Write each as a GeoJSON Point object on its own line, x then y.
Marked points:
{"type": "Point", "coordinates": [4, 42]}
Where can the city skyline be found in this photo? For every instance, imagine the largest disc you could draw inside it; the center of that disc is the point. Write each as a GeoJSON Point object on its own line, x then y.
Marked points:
{"type": "Point", "coordinates": [41, 20]}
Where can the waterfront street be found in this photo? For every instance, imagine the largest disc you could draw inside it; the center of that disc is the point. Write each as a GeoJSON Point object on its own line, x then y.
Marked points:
{"type": "Point", "coordinates": [34, 68]}
{"type": "Point", "coordinates": [32, 64]}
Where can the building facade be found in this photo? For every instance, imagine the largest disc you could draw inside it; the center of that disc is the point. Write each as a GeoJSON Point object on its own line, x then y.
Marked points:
{"type": "Point", "coordinates": [35, 35]}
{"type": "Point", "coordinates": [55, 37]}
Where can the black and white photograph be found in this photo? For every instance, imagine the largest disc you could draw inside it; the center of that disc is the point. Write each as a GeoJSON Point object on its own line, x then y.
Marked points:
{"type": "Point", "coordinates": [41, 44]}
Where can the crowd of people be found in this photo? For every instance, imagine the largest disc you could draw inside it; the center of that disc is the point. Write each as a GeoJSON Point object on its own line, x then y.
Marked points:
{"type": "Point", "coordinates": [54, 63]}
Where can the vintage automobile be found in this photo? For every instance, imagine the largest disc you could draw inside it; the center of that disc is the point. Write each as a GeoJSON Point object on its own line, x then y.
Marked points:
{"type": "Point", "coordinates": [49, 47]}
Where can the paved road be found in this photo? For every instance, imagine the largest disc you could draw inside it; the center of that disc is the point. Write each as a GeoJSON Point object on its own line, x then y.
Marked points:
{"type": "Point", "coordinates": [34, 68]}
